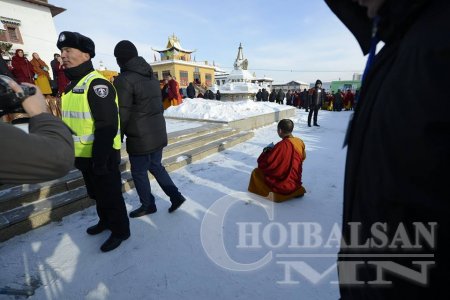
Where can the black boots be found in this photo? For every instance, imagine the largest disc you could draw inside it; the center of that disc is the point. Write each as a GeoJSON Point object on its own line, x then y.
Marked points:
{"type": "Point", "coordinates": [96, 229]}
{"type": "Point", "coordinates": [176, 203]}
{"type": "Point", "coordinates": [142, 211]}
{"type": "Point", "coordinates": [316, 125]}
{"type": "Point", "coordinates": [113, 242]}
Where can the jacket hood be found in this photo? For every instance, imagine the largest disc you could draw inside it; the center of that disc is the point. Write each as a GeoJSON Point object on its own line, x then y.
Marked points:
{"type": "Point", "coordinates": [395, 18]}
{"type": "Point", "coordinates": [137, 65]}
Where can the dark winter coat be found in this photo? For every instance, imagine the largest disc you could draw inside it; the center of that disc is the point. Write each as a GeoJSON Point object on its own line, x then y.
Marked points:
{"type": "Point", "coordinates": [218, 95]}
{"type": "Point", "coordinates": [316, 97]}
{"type": "Point", "coordinates": [338, 101]}
{"type": "Point", "coordinates": [140, 108]}
{"type": "Point", "coordinates": [272, 96]}
{"type": "Point", "coordinates": [280, 96]}
{"type": "Point", "coordinates": [190, 90]}
{"type": "Point", "coordinates": [398, 158]}
{"type": "Point", "coordinates": [211, 95]}
{"type": "Point", "coordinates": [259, 96]}
{"type": "Point", "coordinates": [289, 98]}
{"type": "Point", "coordinates": [265, 95]}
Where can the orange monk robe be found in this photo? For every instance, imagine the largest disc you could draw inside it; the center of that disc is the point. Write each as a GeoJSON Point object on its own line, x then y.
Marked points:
{"type": "Point", "coordinates": [279, 172]}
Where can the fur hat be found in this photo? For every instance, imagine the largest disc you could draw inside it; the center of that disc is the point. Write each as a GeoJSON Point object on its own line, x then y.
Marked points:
{"type": "Point", "coordinates": [77, 41]}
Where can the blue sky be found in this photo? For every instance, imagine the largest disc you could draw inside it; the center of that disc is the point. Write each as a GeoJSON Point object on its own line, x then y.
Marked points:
{"type": "Point", "coordinates": [285, 40]}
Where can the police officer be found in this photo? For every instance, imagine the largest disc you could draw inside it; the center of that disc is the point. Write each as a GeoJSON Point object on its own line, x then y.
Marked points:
{"type": "Point", "coordinates": [90, 109]}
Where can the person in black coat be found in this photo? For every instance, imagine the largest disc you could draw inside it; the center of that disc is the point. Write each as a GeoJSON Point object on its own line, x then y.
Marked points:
{"type": "Point", "coordinates": [143, 123]}
{"type": "Point", "coordinates": [316, 98]}
{"type": "Point", "coordinates": [265, 95]}
{"type": "Point", "coordinates": [259, 95]}
{"type": "Point", "coordinates": [398, 157]}
{"type": "Point", "coordinates": [273, 96]}
{"type": "Point", "coordinates": [289, 98]}
{"type": "Point", "coordinates": [304, 100]}
{"type": "Point", "coordinates": [211, 95]}
{"type": "Point", "coordinates": [338, 101]}
{"type": "Point", "coordinates": [280, 96]}
{"type": "Point", "coordinates": [218, 95]}
{"type": "Point", "coordinates": [190, 90]}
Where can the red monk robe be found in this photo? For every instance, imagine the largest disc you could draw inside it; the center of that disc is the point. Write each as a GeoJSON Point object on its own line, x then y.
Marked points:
{"type": "Point", "coordinates": [279, 172]}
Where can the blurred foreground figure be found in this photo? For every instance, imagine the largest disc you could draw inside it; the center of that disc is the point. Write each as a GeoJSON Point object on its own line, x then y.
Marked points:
{"type": "Point", "coordinates": [45, 153]}
{"type": "Point", "coordinates": [396, 197]}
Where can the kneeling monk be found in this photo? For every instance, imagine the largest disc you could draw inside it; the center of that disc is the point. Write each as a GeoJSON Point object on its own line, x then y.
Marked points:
{"type": "Point", "coordinates": [279, 172]}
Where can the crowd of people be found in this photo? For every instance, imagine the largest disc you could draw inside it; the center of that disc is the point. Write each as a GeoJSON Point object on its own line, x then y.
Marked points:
{"type": "Point", "coordinates": [333, 101]}
{"type": "Point", "coordinates": [37, 72]}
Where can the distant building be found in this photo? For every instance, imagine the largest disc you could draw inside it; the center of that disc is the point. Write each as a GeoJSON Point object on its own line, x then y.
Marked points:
{"type": "Point", "coordinates": [28, 25]}
{"type": "Point", "coordinates": [344, 85]}
{"type": "Point", "coordinates": [177, 62]}
{"type": "Point", "coordinates": [291, 85]}
{"type": "Point", "coordinates": [357, 77]}
{"type": "Point", "coordinates": [265, 82]}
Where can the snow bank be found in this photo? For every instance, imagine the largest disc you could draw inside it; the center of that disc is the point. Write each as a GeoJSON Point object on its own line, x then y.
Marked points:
{"type": "Point", "coordinates": [202, 109]}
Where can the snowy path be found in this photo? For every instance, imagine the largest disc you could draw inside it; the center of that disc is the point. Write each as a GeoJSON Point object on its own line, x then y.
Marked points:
{"type": "Point", "coordinates": [165, 257]}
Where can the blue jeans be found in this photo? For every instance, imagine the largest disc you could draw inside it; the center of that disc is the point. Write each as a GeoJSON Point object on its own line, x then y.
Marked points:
{"type": "Point", "coordinates": [140, 165]}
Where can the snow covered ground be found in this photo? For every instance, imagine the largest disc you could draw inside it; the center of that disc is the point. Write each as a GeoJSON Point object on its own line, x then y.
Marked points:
{"type": "Point", "coordinates": [199, 108]}
{"type": "Point", "coordinates": [223, 243]}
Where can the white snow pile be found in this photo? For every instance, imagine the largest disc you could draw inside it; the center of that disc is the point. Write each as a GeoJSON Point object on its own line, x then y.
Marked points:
{"type": "Point", "coordinates": [202, 109]}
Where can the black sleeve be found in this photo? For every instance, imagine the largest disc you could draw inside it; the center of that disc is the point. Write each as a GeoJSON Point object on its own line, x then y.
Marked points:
{"type": "Point", "coordinates": [101, 97]}
{"type": "Point", "coordinates": [125, 95]}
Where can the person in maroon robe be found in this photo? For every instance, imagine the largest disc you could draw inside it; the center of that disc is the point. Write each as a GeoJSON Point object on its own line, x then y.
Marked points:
{"type": "Point", "coordinates": [22, 69]}
{"type": "Point", "coordinates": [174, 91]}
{"type": "Point", "coordinates": [279, 172]}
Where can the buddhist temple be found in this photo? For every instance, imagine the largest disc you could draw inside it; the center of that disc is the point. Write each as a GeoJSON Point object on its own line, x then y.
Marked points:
{"type": "Point", "coordinates": [177, 61]}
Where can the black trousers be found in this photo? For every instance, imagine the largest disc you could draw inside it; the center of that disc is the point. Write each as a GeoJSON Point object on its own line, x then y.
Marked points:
{"type": "Point", "coordinates": [106, 189]}
{"type": "Point", "coordinates": [315, 109]}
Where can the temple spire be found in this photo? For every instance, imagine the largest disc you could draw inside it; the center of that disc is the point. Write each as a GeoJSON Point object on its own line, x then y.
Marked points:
{"type": "Point", "coordinates": [240, 62]}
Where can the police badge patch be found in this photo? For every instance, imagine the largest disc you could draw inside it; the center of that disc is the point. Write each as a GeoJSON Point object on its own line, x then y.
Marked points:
{"type": "Point", "coordinates": [62, 37]}
{"type": "Point", "coordinates": [101, 90]}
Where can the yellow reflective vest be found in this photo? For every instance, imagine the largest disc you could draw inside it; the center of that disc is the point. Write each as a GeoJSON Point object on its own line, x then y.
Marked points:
{"type": "Point", "coordinates": [76, 113]}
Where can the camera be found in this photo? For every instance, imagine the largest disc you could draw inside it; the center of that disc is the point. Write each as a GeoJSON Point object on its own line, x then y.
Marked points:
{"type": "Point", "coordinates": [10, 101]}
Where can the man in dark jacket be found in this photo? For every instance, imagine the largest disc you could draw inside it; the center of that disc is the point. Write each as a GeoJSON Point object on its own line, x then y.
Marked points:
{"type": "Point", "coordinates": [259, 95]}
{"type": "Point", "coordinates": [273, 96]}
{"type": "Point", "coordinates": [89, 108]}
{"type": "Point", "coordinates": [265, 95]}
{"type": "Point", "coordinates": [190, 90]}
{"type": "Point", "coordinates": [142, 121]}
{"type": "Point", "coordinates": [304, 100]}
{"type": "Point", "coordinates": [280, 96]}
{"type": "Point", "coordinates": [316, 98]}
{"type": "Point", "coordinates": [396, 194]}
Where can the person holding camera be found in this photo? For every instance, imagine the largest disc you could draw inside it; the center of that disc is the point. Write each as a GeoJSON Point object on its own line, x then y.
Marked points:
{"type": "Point", "coordinates": [45, 153]}
{"type": "Point", "coordinates": [90, 109]}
